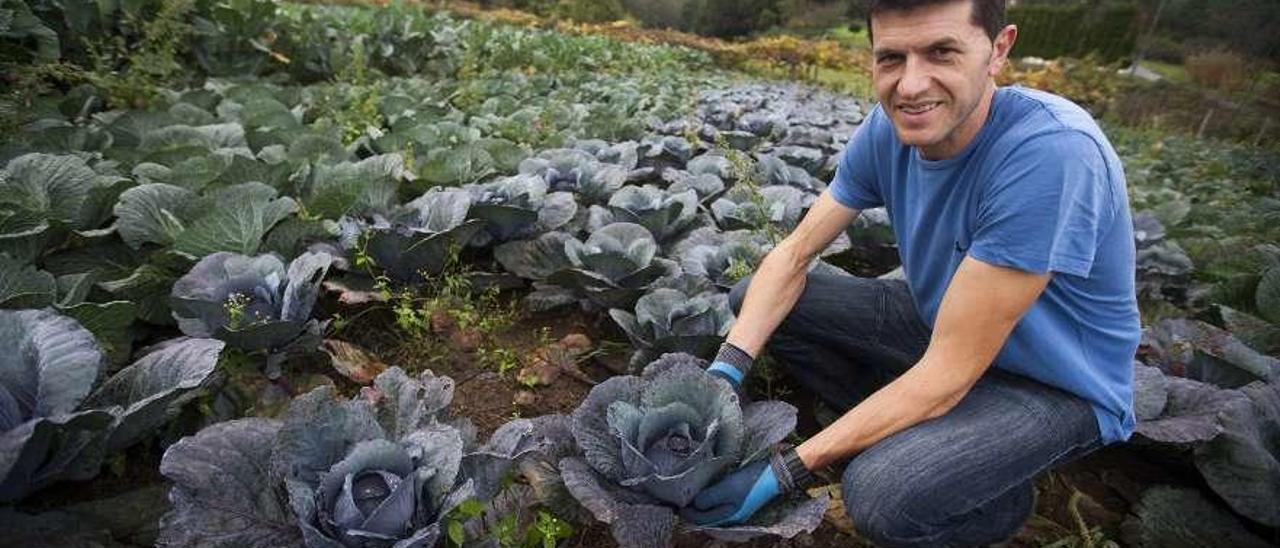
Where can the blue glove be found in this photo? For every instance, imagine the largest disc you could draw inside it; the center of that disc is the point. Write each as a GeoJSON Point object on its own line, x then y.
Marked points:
{"type": "Point", "coordinates": [731, 364]}
{"type": "Point", "coordinates": [736, 497]}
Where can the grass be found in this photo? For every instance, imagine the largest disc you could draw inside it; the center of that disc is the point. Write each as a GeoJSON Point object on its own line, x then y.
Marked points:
{"type": "Point", "coordinates": [848, 37]}
{"type": "Point", "coordinates": [852, 80]}
{"type": "Point", "coordinates": [1169, 71]}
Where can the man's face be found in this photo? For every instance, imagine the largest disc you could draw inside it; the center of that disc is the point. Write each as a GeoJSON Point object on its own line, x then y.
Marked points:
{"type": "Point", "coordinates": [933, 69]}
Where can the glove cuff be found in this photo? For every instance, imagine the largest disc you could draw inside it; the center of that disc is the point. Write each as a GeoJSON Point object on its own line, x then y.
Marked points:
{"type": "Point", "coordinates": [790, 470]}
{"type": "Point", "coordinates": [735, 357]}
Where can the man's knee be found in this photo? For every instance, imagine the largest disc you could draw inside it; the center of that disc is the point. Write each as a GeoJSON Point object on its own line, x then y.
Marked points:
{"type": "Point", "coordinates": [738, 293]}
{"type": "Point", "coordinates": [880, 505]}
{"type": "Point", "coordinates": [895, 505]}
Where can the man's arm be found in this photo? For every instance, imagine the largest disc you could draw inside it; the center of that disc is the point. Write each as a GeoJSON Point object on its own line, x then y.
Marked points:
{"type": "Point", "coordinates": [779, 281]}
{"type": "Point", "coordinates": [982, 305]}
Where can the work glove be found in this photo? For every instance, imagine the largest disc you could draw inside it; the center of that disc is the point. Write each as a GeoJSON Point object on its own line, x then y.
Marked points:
{"type": "Point", "coordinates": [731, 364]}
{"type": "Point", "coordinates": [739, 495]}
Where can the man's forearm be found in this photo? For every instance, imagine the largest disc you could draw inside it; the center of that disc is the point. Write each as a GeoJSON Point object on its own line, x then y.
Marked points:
{"type": "Point", "coordinates": [981, 307]}
{"type": "Point", "coordinates": [774, 290]}
{"type": "Point", "coordinates": [903, 403]}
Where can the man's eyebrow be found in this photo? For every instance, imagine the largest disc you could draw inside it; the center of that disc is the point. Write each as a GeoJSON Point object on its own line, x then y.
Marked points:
{"type": "Point", "coordinates": [947, 43]}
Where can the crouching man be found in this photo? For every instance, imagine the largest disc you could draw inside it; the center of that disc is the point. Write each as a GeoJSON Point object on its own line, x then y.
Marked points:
{"type": "Point", "coordinates": [1007, 350]}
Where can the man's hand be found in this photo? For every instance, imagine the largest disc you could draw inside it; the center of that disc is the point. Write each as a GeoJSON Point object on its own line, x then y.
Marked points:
{"type": "Point", "coordinates": [742, 493]}
{"type": "Point", "coordinates": [736, 497]}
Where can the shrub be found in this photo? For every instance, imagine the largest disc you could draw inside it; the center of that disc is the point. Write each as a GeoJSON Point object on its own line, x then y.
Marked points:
{"type": "Point", "coordinates": [590, 11]}
{"type": "Point", "coordinates": [1218, 69]}
{"type": "Point", "coordinates": [1163, 48]}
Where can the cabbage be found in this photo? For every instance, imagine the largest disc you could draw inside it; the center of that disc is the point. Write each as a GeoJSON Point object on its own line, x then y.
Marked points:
{"type": "Point", "coordinates": [648, 444]}
{"type": "Point", "coordinates": [380, 470]}
{"type": "Point", "coordinates": [253, 303]}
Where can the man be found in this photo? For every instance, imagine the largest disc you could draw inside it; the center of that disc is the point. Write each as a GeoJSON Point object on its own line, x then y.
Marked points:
{"type": "Point", "coordinates": [1007, 350]}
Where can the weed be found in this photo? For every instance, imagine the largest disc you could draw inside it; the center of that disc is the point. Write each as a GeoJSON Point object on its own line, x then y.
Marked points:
{"type": "Point", "coordinates": [237, 306]}
{"type": "Point", "coordinates": [353, 99]}
{"type": "Point", "coordinates": [501, 358]}
{"type": "Point", "coordinates": [550, 529]}
{"type": "Point", "coordinates": [768, 380]}
{"type": "Point", "coordinates": [455, 521]}
{"type": "Point", "coordinates": [26, 82]}
{"type": "Point", "coordinates": [132, 74]}
{"type": "Point", "coordinates": [738, 269]}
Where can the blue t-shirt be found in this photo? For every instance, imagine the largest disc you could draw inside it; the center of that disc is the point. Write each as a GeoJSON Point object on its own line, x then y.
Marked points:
{"type": "Point", "coordinates": [1039, 189]}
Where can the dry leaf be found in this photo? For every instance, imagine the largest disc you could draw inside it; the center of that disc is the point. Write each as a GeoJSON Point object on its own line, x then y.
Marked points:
{"type": "Point", "coordinates": [353, 362]}
{"type": "Point", "coordinates": [836, 515]}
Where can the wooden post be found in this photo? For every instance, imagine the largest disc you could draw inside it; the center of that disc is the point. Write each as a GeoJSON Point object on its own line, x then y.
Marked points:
{"type": "Point", "coordinates": [1151, 31]}
{"type": "Point", "coordinates": [1204, 123]}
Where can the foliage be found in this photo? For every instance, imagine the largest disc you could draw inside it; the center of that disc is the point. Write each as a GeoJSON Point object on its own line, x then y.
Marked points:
{"type": "Point", "coordinates": [1222, 405]}
{"type": "Point", "coordinates": [666, 214]}
{"type": "Point", "coordinates": [578, 10]}
{"type": "Point", "coordinates": [1215, 201]}
{"type": "Point", "coordinates": [1161, 519]}
{"type": "Point", "coordinates": [1238, 25]}
{"type": "Point", "coordinates": [518, 207]}
{"type": "Point", "coordinates": [710, 17]}
{"type": "Point", "coordinates": [610, 269]}
{"type": "Point", "coordinates": [57, 421]}
{"type": "Point", "coordinates": [429, 152]}
{"type": "Point", "coordinates": [1074, 30]}
{"type": "Point", "coordinates": [577, 171]}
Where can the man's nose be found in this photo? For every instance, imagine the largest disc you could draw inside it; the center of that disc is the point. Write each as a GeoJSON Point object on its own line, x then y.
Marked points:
{"type": "Point", "coordinates": [915, 79]}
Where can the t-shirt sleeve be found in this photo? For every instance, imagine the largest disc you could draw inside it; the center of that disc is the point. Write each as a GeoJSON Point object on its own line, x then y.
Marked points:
{"type": "Point", "coordinates": [1047, 207]}
{"type": "Point", "coordinates": [854, 182]}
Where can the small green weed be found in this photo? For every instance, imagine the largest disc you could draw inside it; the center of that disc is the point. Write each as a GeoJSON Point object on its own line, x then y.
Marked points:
{"type": "Point", "coordinates": [500, 358]}
{"type": "Point", "coordinates": [237, 311]}
{"type": "Point", "coordinates": [550, 530]}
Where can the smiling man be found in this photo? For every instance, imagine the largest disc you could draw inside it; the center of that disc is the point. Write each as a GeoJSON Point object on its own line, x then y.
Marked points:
{"type": "Point", "coordinates": [1007, 350]}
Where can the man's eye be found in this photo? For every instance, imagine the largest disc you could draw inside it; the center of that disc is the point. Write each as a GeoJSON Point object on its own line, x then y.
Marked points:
{"type": "Point", "coordinates": [943, 52]}
{"type": "Point", "coordinates": [887, 59]}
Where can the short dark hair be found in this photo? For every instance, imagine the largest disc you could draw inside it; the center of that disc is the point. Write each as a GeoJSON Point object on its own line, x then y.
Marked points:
{"type": "Point", "coordinates": [988, 14]}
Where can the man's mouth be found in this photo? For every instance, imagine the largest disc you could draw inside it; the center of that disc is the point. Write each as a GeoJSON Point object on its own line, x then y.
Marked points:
{"type": "Point", "coordinates": [918, 108]}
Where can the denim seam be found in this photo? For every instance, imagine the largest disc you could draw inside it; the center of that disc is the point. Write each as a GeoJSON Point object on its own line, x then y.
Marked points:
{"type": "Point", "coordinates": [882, 305]}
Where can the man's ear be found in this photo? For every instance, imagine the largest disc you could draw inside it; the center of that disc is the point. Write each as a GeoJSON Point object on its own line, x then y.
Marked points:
{"type": "Point", "coordinates": [1000, 49]}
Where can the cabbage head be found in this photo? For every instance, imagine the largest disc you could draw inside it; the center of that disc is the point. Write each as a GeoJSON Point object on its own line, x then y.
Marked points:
{"type": "Point", "coordinates": [576, 171]}
{"type": "Point", "coordinates": [650, 443]}
{"type": "Point", "coordinates": [675, 320]}
{"type": "Point", "coordinates": [379, 470]}
{"type": "Point", "coordinates": [252, 303]}
{"type": "Point", "coordinates": [518, 207]}
{"type": "Point", "coordinates": [666, 214]}
{"type": "Point", "coordinates": [416, 239]}
{"type": "Point", "coordinates": [782, 206]}
{"type": "Point", "coordinates": [611, 269]}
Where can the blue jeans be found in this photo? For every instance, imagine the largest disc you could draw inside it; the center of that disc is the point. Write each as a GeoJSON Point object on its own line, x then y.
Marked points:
{"type": "Point", "coordinates": [962, 479]}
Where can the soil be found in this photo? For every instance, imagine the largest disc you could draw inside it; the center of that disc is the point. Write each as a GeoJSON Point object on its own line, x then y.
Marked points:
{"type": "Point", "coordinates": [1109, 480]}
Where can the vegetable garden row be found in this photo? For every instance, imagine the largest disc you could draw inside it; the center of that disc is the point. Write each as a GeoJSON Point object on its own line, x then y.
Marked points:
{"type": "Point", "coordinates": [152, 258]}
